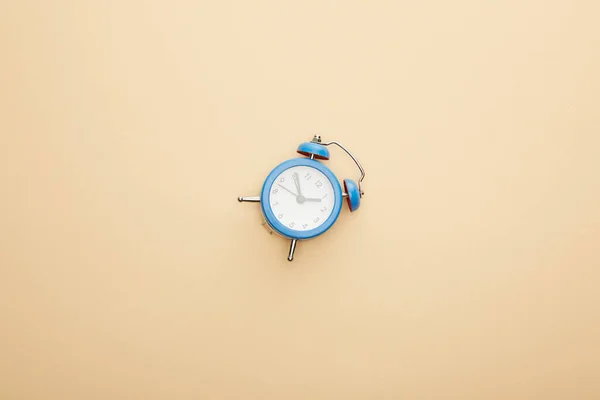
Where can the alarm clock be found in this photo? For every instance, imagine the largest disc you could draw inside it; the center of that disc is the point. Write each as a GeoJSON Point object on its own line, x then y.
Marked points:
{"type": "Point", "coordinates": [301, 198]}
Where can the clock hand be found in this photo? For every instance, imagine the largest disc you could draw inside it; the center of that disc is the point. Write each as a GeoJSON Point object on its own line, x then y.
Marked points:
{"type": "Point", "coordinates": [296, 179]}
{"type": "Point", "coordinates": [312, 199]}
{"type": "Point", "coordinates": [284, 188]}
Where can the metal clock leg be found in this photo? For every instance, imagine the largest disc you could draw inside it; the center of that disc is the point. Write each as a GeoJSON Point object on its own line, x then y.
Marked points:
{"type": "Point", "coordinates": [250, 199]}
{"type": "Point", "coordinates": [292, 249]}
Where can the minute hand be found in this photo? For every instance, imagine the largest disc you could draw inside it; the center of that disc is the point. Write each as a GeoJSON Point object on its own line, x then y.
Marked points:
{"type": "Point", "coordinates": [296, 179]}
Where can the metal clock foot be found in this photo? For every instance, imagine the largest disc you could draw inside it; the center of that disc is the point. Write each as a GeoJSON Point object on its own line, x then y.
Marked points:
{"type": "Point", "coordinates": [292, 249]}
{"type": "Point", "coordinates": [250, 199]}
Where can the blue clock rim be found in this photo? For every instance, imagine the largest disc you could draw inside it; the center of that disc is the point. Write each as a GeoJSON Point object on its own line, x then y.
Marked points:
{"type": "Point", "coordinates": [265, 199]}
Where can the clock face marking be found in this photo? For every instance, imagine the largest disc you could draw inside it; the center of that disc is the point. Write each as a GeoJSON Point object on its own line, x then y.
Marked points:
{"type": "Point", "coordinates": [302, 198]}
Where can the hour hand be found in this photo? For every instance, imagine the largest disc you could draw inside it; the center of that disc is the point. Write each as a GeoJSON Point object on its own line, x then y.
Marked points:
{"type": "Point", "coordinates": [296, 179]}
{"type": "Point", "coordinates": [316, 200]}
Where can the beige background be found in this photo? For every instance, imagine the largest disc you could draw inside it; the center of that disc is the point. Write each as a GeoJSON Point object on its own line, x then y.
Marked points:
{"type": "Point", "coordinates": [128, 270]}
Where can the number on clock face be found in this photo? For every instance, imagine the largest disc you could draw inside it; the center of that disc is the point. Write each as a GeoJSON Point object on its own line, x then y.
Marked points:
{"type": "Point", "coordinates": [302, 198]}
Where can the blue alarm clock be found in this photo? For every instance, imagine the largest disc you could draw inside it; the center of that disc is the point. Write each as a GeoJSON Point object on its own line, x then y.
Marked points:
{"type": "Point", "coordinates": [301, 198]}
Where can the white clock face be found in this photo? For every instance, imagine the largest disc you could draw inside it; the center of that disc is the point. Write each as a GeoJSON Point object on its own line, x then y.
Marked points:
{"type": "Point", "coordinates": [302, 198]}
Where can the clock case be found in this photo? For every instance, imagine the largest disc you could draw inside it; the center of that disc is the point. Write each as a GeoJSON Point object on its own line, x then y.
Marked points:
{"type": "Point", "coordinates": [315, 151]}
{"type": "Point", "coordinates": [272, 220]}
